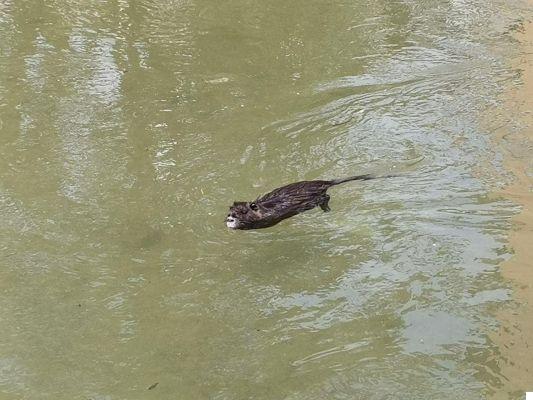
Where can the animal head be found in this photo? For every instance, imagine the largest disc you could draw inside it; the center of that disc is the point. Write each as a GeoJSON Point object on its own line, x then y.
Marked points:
{"type": "Point", "coordinates": [243, 215]}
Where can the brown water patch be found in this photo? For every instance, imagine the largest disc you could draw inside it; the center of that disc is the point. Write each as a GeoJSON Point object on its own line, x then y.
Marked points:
{"type": "Point", "coordinates": [515, 335]}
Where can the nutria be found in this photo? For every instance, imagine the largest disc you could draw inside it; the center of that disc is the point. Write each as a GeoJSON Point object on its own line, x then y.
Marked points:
{"type": "Point", "coordinates": [285, 202]}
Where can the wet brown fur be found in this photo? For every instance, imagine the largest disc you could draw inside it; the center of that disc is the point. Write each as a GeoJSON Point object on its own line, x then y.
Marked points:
{"type": "Point", "coordinates": [285, 202]}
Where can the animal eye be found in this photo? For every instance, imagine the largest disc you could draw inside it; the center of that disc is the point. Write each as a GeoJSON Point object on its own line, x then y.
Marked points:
{"type": "Point", "coordinates": [253, 206]}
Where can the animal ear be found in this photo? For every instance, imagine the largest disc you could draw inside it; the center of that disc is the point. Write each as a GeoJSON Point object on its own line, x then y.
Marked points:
{"type": "Point", "coordinates": [253, 206]}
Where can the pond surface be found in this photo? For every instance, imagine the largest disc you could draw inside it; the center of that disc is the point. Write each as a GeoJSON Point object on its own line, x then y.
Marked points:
{"type": "Point", "coordinates": [128, 128]}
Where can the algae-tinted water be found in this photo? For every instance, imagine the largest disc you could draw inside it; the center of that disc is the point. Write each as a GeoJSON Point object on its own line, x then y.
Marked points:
{"type": "Point", "coordinates": [128, 127]}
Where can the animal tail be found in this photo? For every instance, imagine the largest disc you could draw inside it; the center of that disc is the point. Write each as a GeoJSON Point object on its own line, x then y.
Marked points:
{"type": "Point", "coordinates": [365, 177]}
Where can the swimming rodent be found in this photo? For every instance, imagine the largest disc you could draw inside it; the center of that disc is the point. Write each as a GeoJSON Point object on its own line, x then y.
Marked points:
{"type": "Point", "coordinates": [285, 202]}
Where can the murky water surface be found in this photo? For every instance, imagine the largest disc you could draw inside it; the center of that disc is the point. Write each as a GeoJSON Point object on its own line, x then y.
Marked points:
{"type": "Point", "coordinates": [128, 127]}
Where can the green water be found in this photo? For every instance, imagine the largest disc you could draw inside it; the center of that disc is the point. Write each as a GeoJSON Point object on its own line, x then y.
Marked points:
{"type": "Point", "coordinates": [128, 127]}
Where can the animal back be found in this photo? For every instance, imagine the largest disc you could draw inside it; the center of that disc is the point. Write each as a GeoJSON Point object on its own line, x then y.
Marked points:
{"type": "Point", "coordinates": [298, 196]}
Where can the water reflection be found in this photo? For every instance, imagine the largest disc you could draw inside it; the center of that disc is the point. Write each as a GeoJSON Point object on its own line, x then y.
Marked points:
{"type": "Point", "coordinates": [129, 127]}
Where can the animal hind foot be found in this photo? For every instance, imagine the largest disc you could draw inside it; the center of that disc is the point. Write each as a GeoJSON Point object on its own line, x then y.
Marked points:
{"type": "Point", "coordinates": [324, 204]}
